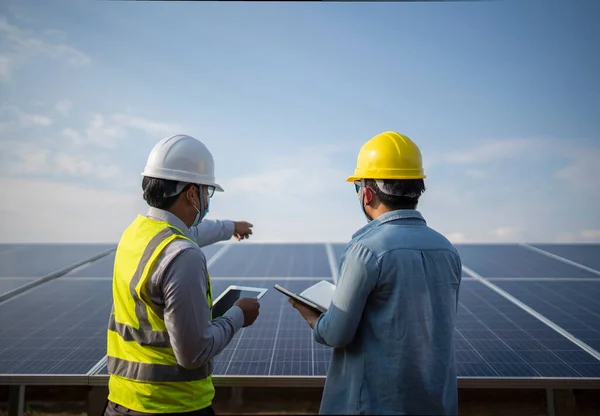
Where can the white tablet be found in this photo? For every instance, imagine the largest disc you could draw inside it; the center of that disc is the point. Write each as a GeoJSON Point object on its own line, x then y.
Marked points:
{"type": "Point", "coordinates": [232, 294]}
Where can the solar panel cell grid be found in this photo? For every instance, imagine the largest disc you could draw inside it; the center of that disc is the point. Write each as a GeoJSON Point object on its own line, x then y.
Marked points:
{"type": "Point", "coordinates": [272, 260]}
{"type": "Point", "coordinates": [574, 306]}
{"type": "Point", "coordinates": [506, 337]}
{"type": "Point", "coordinates": [56, 328]}
{"type": "Point", "coordinates": [516, 261]}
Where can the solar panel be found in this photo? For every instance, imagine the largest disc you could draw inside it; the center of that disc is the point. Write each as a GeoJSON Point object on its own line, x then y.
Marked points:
{"type": "Point", "coordinates": [585, 254]}
{"type": "Point", "coordinates": [574, 306]}
{"type": "Point", "coordinates": [37, 260]}
{"type": "Point", "coordinates": [495, 338]}
{"type": "Point", "coordinates": [7, 283]}
{"type": "Point", "coordinates": [272, 260]}
{"type": "Point", "coordinates": [58, 327]}
{"type": "Point", "coordinates": [503, 260]}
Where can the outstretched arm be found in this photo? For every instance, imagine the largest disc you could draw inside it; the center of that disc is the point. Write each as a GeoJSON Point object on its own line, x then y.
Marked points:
{"type": "Point", "coordinates": [212, 231]}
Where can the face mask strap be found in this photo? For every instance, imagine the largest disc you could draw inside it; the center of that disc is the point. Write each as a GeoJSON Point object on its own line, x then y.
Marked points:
{"type": "Point", "coordinates": [362, 200]}
{"type": "Point", "coordinates": [200, 212]}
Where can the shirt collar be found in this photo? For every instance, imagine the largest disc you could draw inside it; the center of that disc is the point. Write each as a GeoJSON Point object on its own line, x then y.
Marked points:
{"type": "Point", "coordinates": [400, 214]}
{"type": "Point", "coordinates": [166, 216]}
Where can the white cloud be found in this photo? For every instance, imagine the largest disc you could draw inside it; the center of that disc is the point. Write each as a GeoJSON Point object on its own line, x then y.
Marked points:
{"type": "Point", "coordinates": [590, 235]}
{"type": "Point", "coordinates": [293, 198]}
{"type": "Point", "coordinates": [64, 107]}
{"type": "Point", "coordinates": [456, 237]}
{"type": "Point", "coordinates": [506, 233]}
{"type": "Point", "coordinates": [28, 161]}
{"type": "Point", "coordinates": [78, 165]}
{"type": "Point", "coordinates": [150, 127]}
{"type": "Point", "coordinates": [73, 135]}
{"type": "Point", "coordinates": [584, 236]}
{"type": "Point", "coordinates": [107, 131]}
{"type": "Point", "coordinates": [21, 45]}
{"type": "Point", "coordinates": [20, 118]}
{"type": "Point", "coordinates": [490, 150]}
{"type": "Point", "coordinates": [565, 238]}
{"type": "Point", "coordinates": [71, 213]}
{"type": "Point", "coordinates": [583, 170]}
{"type": "Point", "coordinates": [28, 158]}
{"type": "Point", "coordinates": [37, 119]}
{"type": "Point", "coordinates": [5, 66]}
{"type": "Point", "coordinates": [264, 182]}
{"type": "Point", "coordinates": [307, 174]}
{"type": "Point", "coordinates": [103, 134]}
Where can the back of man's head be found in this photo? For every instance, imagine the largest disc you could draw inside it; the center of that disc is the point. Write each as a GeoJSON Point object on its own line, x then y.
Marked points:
{"type": "Point", "coordinates": [397, 194]}
{"type": "Point", "coordinates": [161, 193]}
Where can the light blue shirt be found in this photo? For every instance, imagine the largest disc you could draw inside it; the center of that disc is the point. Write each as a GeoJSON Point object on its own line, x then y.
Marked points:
{"type": "Point", "coordinates": [391, 321]}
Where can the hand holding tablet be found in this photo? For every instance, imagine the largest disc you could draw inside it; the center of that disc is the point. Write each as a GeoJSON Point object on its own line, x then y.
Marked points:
{"type": "Point", "coordinates": [244, 297]}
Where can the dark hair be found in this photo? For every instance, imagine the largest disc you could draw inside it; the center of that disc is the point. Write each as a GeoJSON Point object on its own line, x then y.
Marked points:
{"type": "Point", "coordinates": [156, 189]}
{"type": "Point", "coordinates": [406, 192]}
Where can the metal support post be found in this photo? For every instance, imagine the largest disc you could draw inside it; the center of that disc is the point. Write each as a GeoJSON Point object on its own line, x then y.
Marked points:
{"type": "Point", "coordinates": [16, 400]}
{"type": "Point", "coordinates": [237, 397]}
{"type": "Point", "coordinates": [550, 402]}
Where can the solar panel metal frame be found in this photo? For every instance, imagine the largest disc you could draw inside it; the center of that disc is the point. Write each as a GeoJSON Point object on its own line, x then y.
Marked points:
{"type": "Point", "coordinates": [309, 381]}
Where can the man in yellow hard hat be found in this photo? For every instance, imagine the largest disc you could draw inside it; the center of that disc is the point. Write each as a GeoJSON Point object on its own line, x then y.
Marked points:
{"type": "Point", "coordinates": [391, 321]}
{"type": "Point", "coordinates": [161, 335]}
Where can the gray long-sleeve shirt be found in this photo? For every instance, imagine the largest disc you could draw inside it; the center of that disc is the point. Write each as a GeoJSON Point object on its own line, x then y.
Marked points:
{"type": "Point", "coordinates": [178, 286]}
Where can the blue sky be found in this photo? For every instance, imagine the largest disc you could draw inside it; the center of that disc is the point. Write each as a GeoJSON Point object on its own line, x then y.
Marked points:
{"type": "Point", "coordinates": [502, 97]}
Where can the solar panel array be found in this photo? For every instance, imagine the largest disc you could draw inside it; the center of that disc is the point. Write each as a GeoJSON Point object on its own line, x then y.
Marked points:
{"type": "Point", "coordinates": [525, 311]}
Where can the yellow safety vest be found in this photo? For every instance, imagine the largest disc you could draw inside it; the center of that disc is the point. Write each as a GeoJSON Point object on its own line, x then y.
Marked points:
{"type": "Point", "coordinates": [144, 374]}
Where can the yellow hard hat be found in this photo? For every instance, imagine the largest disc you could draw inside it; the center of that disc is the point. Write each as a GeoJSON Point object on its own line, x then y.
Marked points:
{"type": "Point", "coordinates": [389, 155]}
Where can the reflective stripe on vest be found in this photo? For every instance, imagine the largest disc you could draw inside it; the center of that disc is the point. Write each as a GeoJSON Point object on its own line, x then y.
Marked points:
{"type": "Point", "coordinates": [144, 374]}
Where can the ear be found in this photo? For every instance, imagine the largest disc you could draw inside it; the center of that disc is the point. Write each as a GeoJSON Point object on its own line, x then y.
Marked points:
{"type": "Point", "coordinates": [190, 193]}
{"type": "Point", "coordinates": [369, 195]}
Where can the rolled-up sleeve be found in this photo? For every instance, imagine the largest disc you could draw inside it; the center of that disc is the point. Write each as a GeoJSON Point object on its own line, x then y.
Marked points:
{"type": "Point", "coordinates": [212, 231]}
{"type": "Point", "coordinates": [194, 337]}
{"type": "Point", "coordinates": [358, 276]}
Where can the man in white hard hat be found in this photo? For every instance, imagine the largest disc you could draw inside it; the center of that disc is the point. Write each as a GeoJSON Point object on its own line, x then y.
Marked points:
{"type": "Point", "coordinates": [161, 335]}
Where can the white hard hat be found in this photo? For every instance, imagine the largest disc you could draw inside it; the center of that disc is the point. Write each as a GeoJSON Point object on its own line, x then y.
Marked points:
{"type": "Point", "coordinates": [182, 158]}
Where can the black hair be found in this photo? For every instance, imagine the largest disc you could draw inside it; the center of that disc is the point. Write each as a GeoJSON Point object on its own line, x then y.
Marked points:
{"type": "Point", "coordinates": [406, 192]}
{"type": "Point", "coordinates": [155, 190]}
